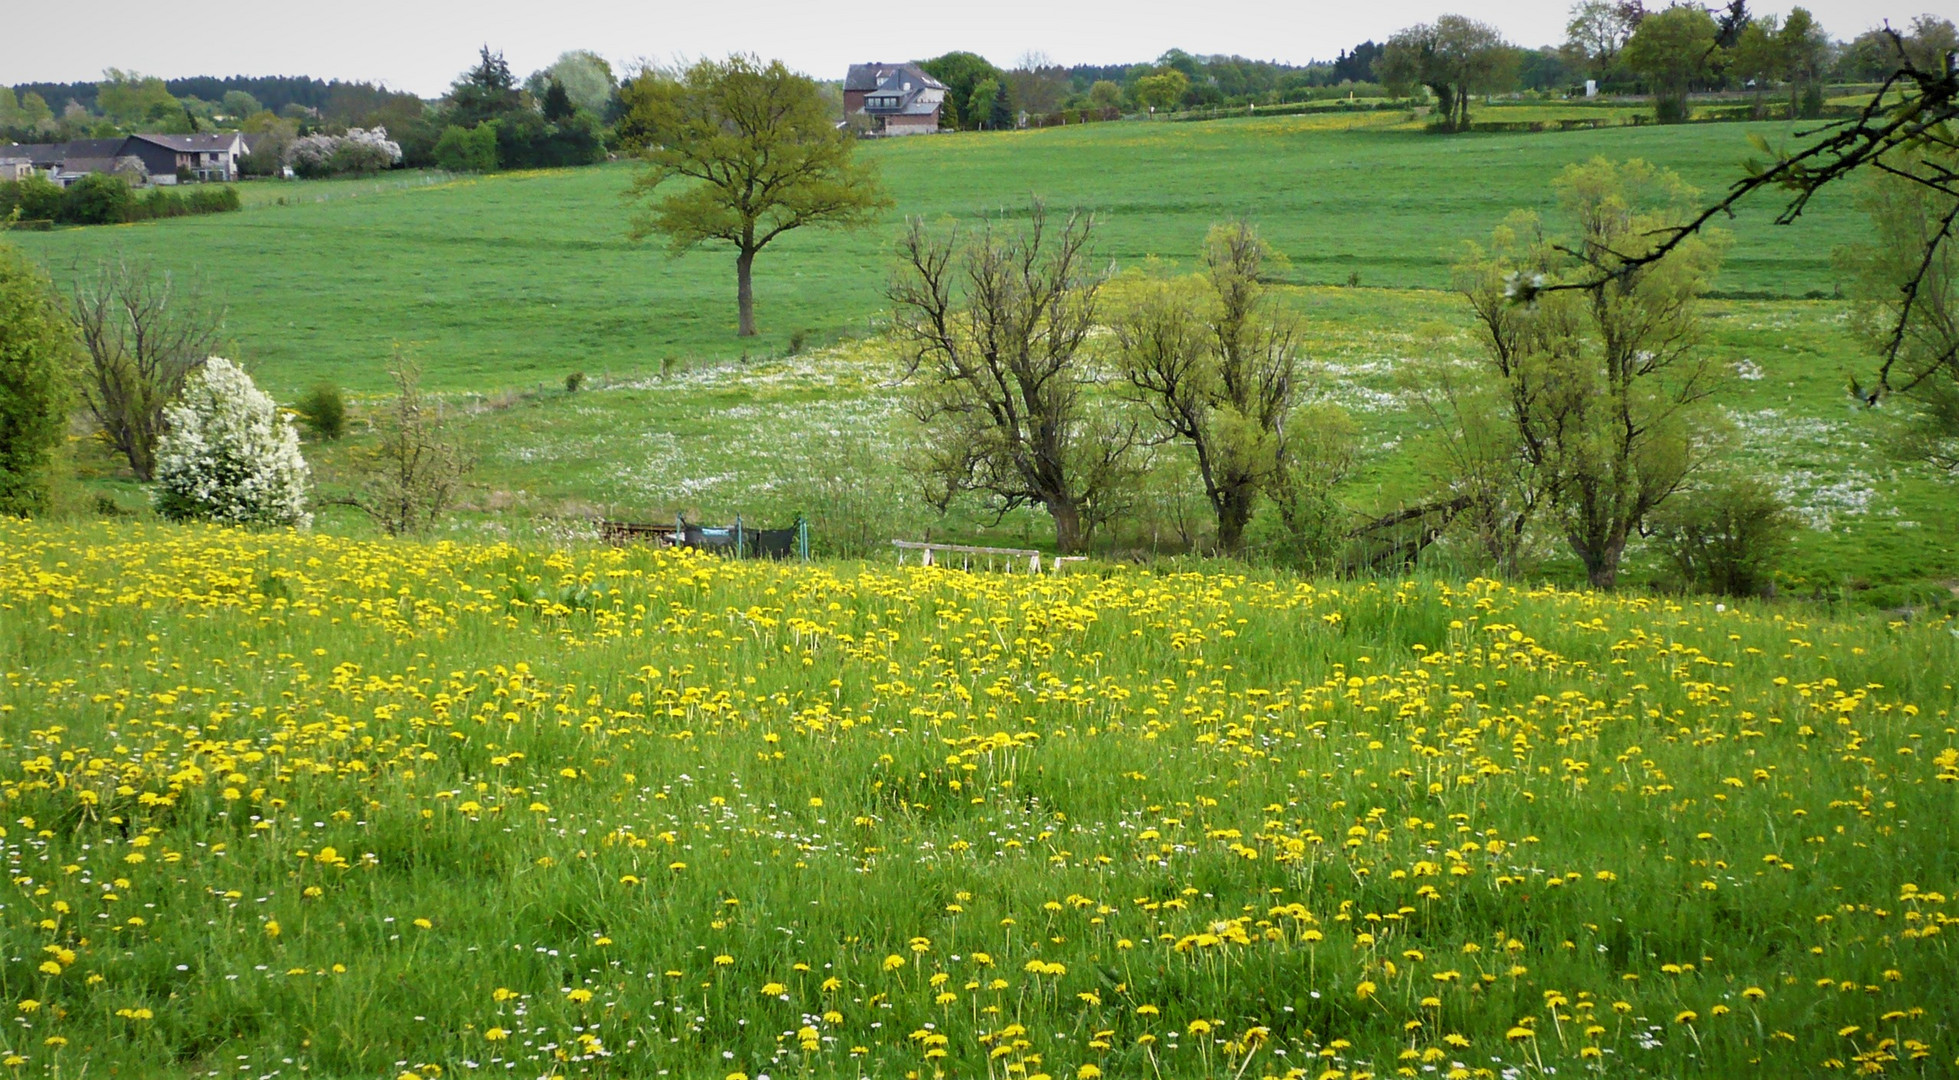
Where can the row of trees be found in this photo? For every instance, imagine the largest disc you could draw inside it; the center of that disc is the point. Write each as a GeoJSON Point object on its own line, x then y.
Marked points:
{"type": "Point", "coordinates": [1668, 53]}
{"type": "Point", "coordinates": [1586, 424]}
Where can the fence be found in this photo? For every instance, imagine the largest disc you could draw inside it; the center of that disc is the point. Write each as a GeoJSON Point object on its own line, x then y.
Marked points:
{"type": "Point", "coordinates": [1008, 558]}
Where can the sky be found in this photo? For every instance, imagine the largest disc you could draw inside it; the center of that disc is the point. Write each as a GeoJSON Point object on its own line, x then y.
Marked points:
{"type": "Point", "coordinates": [419, 46]}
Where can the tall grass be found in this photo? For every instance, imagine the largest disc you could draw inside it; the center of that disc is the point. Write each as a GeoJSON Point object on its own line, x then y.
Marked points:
{"type": "Point", "coordinates": [280, 803]}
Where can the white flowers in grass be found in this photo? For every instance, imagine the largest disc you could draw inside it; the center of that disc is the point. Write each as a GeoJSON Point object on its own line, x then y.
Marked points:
{"type": "Point", "coordinates": [227, 454]}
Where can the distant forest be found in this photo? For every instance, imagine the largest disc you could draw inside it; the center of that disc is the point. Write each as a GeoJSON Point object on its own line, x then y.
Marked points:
{"type": "Point", "coordinates": [274, 92]}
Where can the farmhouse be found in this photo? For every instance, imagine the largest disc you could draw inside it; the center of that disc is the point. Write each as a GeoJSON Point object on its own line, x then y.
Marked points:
{"type": "Point", "coordinates": [899, 99]}
{"type": "Point", "coordinates": [160, 159]}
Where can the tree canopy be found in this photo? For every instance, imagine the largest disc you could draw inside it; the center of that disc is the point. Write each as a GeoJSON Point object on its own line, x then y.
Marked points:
{"type": "Point", "coordinates": [755, 153]}
{"type": "Point", "coordinates": [1455, 57]}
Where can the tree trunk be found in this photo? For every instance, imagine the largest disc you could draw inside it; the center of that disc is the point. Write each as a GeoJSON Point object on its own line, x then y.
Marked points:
{"type": "Point", "coordinates": [1234, 513]}
{"type": "Point", "coordinates": [1067, 525]}
{"type": "Point", "coordinates": [1602, 562]}
{"type": "Point", "coordinates": [745, 291]}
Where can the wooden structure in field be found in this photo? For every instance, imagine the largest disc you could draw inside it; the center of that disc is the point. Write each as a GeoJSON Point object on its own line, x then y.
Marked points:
{"type": "Point", "coordinates": [965, 556]}
{"type": "Point", "coordinates": [737, 540]}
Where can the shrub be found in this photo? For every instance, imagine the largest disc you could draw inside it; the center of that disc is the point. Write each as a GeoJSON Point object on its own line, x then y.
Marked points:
{"type": "Point", "coordinates": [323, 411]}
{"type": "Point", "coordinates": [1727, 536]}
{"type": "Point", "coordinates": [36, 343]}
{"type": "Point", "coordinates": [36, 197]}
{"type": "Point", "coordinates": [98, 199]}
{"type": "Point", "coordinates": [417, 471]}
{"type": "Point", "coordinates": [228, 455]}
{"type": "Point", "coordinates": [468, 149]}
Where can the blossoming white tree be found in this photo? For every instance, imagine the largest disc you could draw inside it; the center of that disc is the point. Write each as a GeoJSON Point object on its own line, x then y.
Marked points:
{"type": "Point", "coordinates": [228, 455]}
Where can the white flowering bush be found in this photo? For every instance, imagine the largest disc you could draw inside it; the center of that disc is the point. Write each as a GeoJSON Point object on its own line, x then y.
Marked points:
{"type": "Point", "coordinates": [227, 455]}
{"type": "Point", "coordinates": [360, 150]}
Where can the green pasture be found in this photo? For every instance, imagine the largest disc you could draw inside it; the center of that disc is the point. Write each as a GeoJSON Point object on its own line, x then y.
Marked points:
{"type": "Point", "coordinates": [517, 279]}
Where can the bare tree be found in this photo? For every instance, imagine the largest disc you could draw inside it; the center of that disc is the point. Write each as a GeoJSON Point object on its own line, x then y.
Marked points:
{"type": "Point", "coordinates": [416, 472]}
{"type": "Point", "coordinates": [1216, 367]}
{"type": "Point", "coordinates": [992, 330]}
{"type": "Point", "coordinates": [144, 335]}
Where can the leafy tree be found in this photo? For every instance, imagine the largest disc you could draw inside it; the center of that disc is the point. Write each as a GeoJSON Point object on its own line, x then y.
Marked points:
{"type": "Point", "coordinates": [992, 330]}
{"type": "Point", "coordinates": [1455, 58]}
{"type": "Point", "coordinates": [1106, 98]}
{"type": "Point", "coordinates": [142, 337]}
{"type": "Point", "coordinates": [962, 73]}
{"type": "Point", "coordinates": [979, 108]}
{"type": "Point", "coordinates": [763, 155]}
{"type": "Point", "coordinates": [238, 104]}
{"type": "Point", "coordinates": [1805, 61]}
{"type": "Point", "coordinates": [1599, 28]}
{"type": "Point", "coordinates": [227, 454]}
{"type": "Point", "coordinates": [1215, 363]}
{"type": "Point", "coordinates": [130, 99]}
{"type": "Point", "coordinates": [416, 472]}
{"type": "Point", "coordinates": [1602, 385]}
{"type": "Point", "coordinates": [1673, 50]}
{"type": "Point", "coordinates": [586, 77]}
{"type": "Point", "coordinates": [1162, 90]}
{"type": "Point", "coordinates": [37, 346]}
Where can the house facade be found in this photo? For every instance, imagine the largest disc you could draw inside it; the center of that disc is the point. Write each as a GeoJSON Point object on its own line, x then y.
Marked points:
{"type": "Point", "coordinates": [897, 99]}
{"type": "Point", "coordinates": [158, 159]}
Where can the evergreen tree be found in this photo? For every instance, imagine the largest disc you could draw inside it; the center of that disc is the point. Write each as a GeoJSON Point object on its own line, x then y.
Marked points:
{"type": "Point", "coordinates": [1001, 115]}
{"type": "Point", "coordinates": [557, 103]}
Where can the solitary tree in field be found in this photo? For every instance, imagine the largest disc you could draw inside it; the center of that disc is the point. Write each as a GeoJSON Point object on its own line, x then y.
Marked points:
{"type": "Point", "coordinates": [993, 330]}
{"type": "Point", "coordinates": [755, 153]}
{"type": "Point", "coordinates": [1455, 58]}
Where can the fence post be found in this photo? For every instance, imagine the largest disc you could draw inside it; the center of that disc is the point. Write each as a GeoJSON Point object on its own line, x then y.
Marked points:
{"type": "Point", "coordinates": [737, 536]}
{"type": "Point", "coordinates": [802, 537]}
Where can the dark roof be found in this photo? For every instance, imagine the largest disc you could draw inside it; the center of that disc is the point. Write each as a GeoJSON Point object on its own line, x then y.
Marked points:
{"type": "Point", "coordinates": [191, 143]}
{"type": "Point", "coordinates": [915, 93]}
{"type": "Point", "coordinates": [79, 165]}
{"type": "Point", "coordinates": [38, 153]}
{"type": "Point", "coordinates": [873, 76]}
{"type": "Point", "coordinates": [91, 148]}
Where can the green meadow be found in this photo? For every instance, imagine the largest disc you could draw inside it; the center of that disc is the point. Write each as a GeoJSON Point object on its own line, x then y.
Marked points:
{"type": "Point", "coordinates": [511, 280]}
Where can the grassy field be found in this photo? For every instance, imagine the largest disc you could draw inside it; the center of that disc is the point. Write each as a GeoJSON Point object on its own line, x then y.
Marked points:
{"type": "Point", "coordinates": [516, 279]}
{"type": "Point", "coordinates": [304, 805]}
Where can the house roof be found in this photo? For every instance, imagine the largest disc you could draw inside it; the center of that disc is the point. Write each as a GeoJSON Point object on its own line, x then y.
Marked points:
{"type": "Point", "coordinates": [917, 93]}
{"type": "Point", "coordinates": [76, 166]}
{"type": "Point", "coordinates": [89, 148]}
{"type": "Point", "coordinates": [187, 144]}
{"type": "Point", "coordinates": [874, 76]}
{"type": "Point", "coordinates": [38, 153]}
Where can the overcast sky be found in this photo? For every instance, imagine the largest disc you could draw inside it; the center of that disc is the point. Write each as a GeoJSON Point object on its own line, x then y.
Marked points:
{"type": "Point", "coordinates": [420, 46]}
